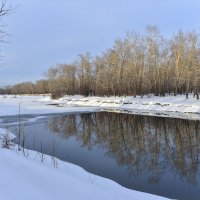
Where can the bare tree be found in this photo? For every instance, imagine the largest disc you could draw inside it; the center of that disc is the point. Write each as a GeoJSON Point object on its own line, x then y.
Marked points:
{"type": "Point", "coordinates": [5, 9]}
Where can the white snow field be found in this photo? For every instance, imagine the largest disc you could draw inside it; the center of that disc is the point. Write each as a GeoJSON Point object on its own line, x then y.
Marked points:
{"type": "Point", "coordinates": [9, 105]}
{"type": "Point", "coordinates": [169, 106]}
{"type": "Point", "coordinates": [24, 175]}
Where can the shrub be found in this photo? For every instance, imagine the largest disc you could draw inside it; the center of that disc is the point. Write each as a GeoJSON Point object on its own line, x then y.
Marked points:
{"type": "Point", "coordinates": [6, 141]}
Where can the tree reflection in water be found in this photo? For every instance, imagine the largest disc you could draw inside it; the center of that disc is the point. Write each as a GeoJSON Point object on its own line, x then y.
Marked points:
{"type": "Point", "coordinates": [141, 143]}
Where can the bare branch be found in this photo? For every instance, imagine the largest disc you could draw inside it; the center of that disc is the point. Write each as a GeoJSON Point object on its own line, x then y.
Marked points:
{"type": "Point", "coordinates": [5, 9]}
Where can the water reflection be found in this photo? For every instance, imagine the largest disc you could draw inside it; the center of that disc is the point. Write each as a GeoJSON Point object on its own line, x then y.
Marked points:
{"type": "Point", "coordinates": [150, 154]}
{"type": "Point", "coordinates": [142, 144]}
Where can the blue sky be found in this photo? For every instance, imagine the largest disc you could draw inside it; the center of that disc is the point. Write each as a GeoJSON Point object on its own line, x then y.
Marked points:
{"type": "Point", "coordinates": [46, 32]}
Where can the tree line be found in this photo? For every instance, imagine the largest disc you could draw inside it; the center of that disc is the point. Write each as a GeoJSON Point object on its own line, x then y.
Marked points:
{"type": "Point", "coordinates": [138, 64]}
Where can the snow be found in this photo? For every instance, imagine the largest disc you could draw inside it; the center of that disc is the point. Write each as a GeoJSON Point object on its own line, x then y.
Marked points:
{"type": "Point", "coordinates": [25, 176]}
{"type": "Point", "coordinates": [35, 105]}
{"type": "Point", "coordinates": [169, 106]}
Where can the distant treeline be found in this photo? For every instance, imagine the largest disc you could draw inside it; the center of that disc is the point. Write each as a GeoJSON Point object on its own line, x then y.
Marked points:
{"type": "Point", "coordinates": [139, 64]}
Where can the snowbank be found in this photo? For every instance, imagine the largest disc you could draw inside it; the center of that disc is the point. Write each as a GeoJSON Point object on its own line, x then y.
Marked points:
{"type": "Point", "coordinates": [10, 105]}
{"type": "Point", "coordinates": [169, 106]}
{"type": "Point", "coordinates": [169, 103]}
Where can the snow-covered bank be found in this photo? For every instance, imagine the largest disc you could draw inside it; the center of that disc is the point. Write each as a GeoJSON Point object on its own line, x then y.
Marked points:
{"type": "Point", "coordinates": [10, 105]}
{"type": "Point", "coordinates": [169, 106]}
{"type": "Point", "coordinates": [30, 177]}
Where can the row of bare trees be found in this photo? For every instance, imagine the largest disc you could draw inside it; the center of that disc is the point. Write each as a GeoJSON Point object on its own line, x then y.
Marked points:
{"type": "Point", "coordinates": [139, 64]}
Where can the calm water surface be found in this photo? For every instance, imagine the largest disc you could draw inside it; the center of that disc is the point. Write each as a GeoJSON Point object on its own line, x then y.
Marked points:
{"type": "Point", "coordinates": [150, 154]}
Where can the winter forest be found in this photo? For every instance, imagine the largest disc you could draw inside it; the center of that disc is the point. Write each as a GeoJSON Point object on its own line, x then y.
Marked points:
{"type": "Point", "coordinates": [138, 64]}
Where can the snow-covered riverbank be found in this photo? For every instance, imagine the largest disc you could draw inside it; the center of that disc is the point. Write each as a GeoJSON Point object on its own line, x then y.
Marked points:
{"type": "Point", "coordinates": [10, 105]}
{"type": "Point", "coordinates": [169, 106]}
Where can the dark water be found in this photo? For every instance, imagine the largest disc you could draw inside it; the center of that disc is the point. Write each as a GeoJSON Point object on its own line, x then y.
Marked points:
{"type": "Point", "coordinates": [155, 155]}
